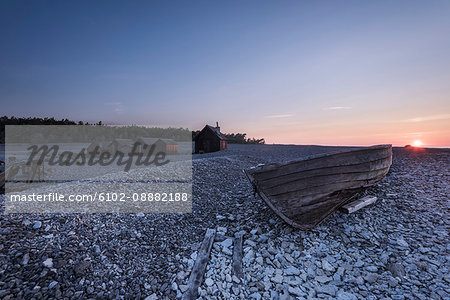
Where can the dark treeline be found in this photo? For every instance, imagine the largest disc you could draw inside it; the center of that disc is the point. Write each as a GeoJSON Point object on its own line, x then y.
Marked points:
{"type": "Point", "coordinates": [100, 132]}
{"type": "Point", "coordinates": [236, 138]}
{"type": "Point", "coordinates": [240, 138]}
{"type": "Point", "coordinates": [92, 132]}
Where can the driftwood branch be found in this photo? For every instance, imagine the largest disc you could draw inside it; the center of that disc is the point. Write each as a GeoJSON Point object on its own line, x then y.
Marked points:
{"type": "Point", "coordinates": [237, 257]}
{"type": "Point", "coordinates": [358, 204]}
{"type": "Point", "coordinates": [196, 277]}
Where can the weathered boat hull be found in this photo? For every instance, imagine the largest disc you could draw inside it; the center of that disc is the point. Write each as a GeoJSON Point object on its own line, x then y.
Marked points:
{"type": "Point", "coordinates": [305, 192]}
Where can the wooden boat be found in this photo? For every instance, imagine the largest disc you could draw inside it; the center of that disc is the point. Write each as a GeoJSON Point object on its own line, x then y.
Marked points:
{"type": "Point", "coordinates": [304, 192]}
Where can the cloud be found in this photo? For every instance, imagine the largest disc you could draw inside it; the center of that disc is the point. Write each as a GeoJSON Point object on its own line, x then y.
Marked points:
{"type": "Point", "coordinates": [116, 106]}
{"type": "Point", "coordinates": [338, 107]}
{"type": "Point", "coordinates": [427, 118]}
{"type": "Point", "coordinates": [279, 116]}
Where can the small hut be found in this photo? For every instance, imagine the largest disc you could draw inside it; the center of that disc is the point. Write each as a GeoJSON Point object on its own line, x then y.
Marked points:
{"type": "Point", "coordinates": [210, 139]}
{"type": "Point", "coordinates": [122, 145]}
{"type": "Point", "coordinates": [144, 144]}
{"type": "Point", "coordinates": [167, 146]}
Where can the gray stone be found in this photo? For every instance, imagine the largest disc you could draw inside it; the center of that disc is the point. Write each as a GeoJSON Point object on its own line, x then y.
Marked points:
{"type": "Point", "coordinates": [227, 251]}
{"type": "Point", "coordinates": [285, 295]}
{"type": "Point", "coordinates": [250, 243]}
{"type": "Point", "coordinates": [25, 259]}
{"type": "Point", "coordinates": [227, 243]}
{"type": "Point", "coordinates": [151, 297]}
{"type": "Point", "coordinates": [52, 284]}
{"type": "Point", "coordinates": [209, 282]}
{"type": "Point", "coordinates": [291, 271]}
{"type": "Point", "coordinates": [327, 266]}
{"type": "Point", "coordinates": [402, 243]}
{"type": "Point", "coordinates": [337, 277]}
{"type": "Point", "coordinates": [274, 295]}
{"type": "Point", "coordinates": [183, 288]}
{"type": "Point", "coordinates": [256, 231]}
{"type": "Point", "coordinates": [359, 264]}
{"type": "Point", "coordinates": [359, 280]}
{"type": "Point", "coordinates": [235, 279]}
{"type": "Point", "coordinates": [80, 268]}
{"type": "Point", "coordinates": [96, 249]}
{"type": "Point", "coordinates": [322, 279]}
{"type": "Point", "coordinates": [289, 258]}
{"type": "Point", "coordinates": [221, 229]}
{"type": "Point", "coordinates": [267, 285]}
{"type": "Point", "coordinates": [259, 260]}
{"type": "Point", "coordinates": [296, 291]}
{"type": "Point", "coordinates": [278, 278]}
{"type": "Point", "coordinates": [255, 295]}
{"type": "Point", "coordinates": [37, 225]}
{"type": "Point", "coordinates": [328, 289]}
{"type": "Point", "coordinates": [181, 275]}
{"type": "Point", "coordinates": [371, 277]}
{"type": "Point", "coordinates": [372, 269]}
{"type": "Point", "coordinates": [249, 256]}
{"type": "Point", "coordinates": [235, 290]}
{"type": "Point", "coordinates": [393, 282]}
{"type": "Point", "coordinates": [48, 263]}
{"type": "Point", "coordinates": [397, 270]}
{"type": "Point", "coordinates": [342, 295]}
{"type": "Point", "coordinates": [220, 237]}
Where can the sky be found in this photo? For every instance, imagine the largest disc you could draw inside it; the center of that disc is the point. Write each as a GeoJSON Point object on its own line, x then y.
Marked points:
{"type": "Point", "coordinates": [293, 72]}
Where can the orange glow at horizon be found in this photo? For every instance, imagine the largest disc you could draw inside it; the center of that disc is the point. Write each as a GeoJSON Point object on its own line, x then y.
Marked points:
{"type": "Point", "coordinates": [432, 134]}
{"type": "Point", "coordinates": [417, 143]}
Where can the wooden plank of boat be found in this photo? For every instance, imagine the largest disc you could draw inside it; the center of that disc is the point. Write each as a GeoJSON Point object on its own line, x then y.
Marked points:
{"type": "Point", "coordinates": [305, 192]}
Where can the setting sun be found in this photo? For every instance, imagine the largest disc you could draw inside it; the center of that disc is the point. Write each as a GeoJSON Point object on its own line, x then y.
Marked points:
{"type": "Point", "coordinates": [417, 143]}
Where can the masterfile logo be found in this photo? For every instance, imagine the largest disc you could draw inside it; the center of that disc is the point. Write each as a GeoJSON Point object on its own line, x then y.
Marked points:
{"type": "Point", "coordinates": [78, 168]}
{"type": "Point", "coordinates": [146, 156]}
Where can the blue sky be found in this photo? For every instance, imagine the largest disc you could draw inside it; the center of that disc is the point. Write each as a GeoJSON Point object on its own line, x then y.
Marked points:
{"type": "Point", "coordinates": [323, 72]}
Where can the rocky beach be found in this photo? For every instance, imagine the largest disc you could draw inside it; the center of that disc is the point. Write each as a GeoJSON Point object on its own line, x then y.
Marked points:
{"type": "Point", "coordinates": [396, 248]}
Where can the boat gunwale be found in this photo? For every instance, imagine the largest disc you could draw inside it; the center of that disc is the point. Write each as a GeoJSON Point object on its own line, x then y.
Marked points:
{"type": "Point", "coordinates": [272, 166]}
{"type": "Point", "coordinates": [322, 168]}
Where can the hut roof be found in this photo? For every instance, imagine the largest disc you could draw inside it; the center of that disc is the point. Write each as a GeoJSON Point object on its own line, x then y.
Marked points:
{"type": "Point", "coordinates": [124, 141]}
{"type": "Point", "coordinates": [215, 130]}
{"type": "Point", "coordinates": [121, 143]}
{"type": "Point", "coordinates": [146, 140]}
{"type": "Point", "coordinates": [169, 141]}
